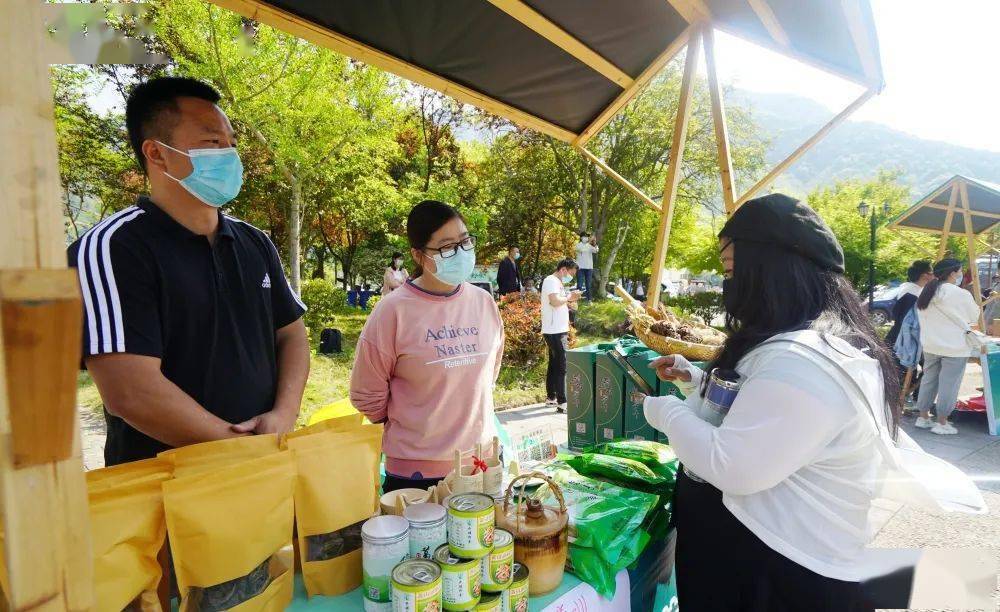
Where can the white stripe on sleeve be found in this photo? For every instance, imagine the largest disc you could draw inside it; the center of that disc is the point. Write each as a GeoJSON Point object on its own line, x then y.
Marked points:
{"type": "Point", "coordinates": [90, 276]}
{"type": "Point", "coordinates": [109, 272]}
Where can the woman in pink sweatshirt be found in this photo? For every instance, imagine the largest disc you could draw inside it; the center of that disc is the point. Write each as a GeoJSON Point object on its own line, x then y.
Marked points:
{"type": "Point", "coordinates": [429, 355]}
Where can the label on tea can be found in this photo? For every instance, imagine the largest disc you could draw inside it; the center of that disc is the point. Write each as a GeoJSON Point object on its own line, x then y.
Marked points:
{"type": "Point", "coordinates": [517, 595]}
{"type": "Point", "coordinates": [470, 525]}
{"type": "Point", "coordinates": [497, 567]}
{"type": "Point", "coordinates": [460, 588]}
{"type": "Point", "coordinates": [416, 586]}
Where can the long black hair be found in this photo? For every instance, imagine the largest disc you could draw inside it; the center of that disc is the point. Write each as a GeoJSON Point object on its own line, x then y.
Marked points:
{"type": "Point", "coordinates": [424, 219]}
{"type": "Point", "coordinates": [942, 270]}
{"type": "Point", "coordinates": [773, 290]}
{"type": "Point", "coordinates": [392, 262]}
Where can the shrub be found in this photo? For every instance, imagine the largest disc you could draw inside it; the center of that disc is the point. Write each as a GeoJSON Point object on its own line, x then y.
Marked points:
{"type": "Point", "coordinates": [372, 301]}
{"type": "Point", "coordinates": [324, 302]}
{"type": "Point", "coordinates": [706, 306]}
{"type": "Point", "coordinates": [522, 321]}
{"type": "Point", "coordinates": [603, 318]}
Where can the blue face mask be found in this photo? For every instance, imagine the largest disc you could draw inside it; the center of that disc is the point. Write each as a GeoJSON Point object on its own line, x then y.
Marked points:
{"type": "Point", "coordinates": [216, 177]}
{"type": "Point", "coordinates": [456, 269]}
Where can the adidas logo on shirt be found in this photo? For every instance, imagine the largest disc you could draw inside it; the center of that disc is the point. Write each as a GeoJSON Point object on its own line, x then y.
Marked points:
{"type": "Point", "coordinates": [266, 283]}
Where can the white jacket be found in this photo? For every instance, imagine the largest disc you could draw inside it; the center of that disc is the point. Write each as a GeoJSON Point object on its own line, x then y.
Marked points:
{"type": "Point", "coordinates": [940, 330]}
{"type": "Point", "coordinates": [801, 455]}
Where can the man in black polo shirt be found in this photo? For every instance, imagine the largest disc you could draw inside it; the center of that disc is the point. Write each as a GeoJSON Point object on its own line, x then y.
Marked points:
{"type": "Point", "coordinates": [190, 331]}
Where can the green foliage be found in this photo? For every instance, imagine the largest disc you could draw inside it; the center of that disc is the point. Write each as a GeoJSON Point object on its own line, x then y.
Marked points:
{"type": "Point", "coordinates": [524, 345]}
{"type": "Point", "coordinates": [602, 318]}
{"type": "Point", "coordinates": [324, 302]}
{"type": "Point", "coordinates": [896, 249]}
{"type": "Point", "coordinates": [706, 305]}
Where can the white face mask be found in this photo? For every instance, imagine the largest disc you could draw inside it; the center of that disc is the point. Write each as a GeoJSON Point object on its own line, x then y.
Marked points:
{"type": "Point", "coordinates": [567, 278]}
{"type": "Point", "coordinates": [958, 279]}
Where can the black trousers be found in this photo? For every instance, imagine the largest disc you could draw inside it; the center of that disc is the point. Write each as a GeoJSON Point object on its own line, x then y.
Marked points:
{"type": "Point", "coordinates": [394, 483]}
{"type": "Point", "coordinates": [723, 567]}
{"type": "Point", "coordinates": [555, 373]}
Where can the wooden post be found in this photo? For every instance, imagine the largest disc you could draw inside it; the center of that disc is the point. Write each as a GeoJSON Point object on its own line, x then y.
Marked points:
{"type": "Point", "coordinates": [719, 118]}
{"type": "Point", "coordinates": [674, 168]}
{"type": "Point", "coordinates": [946, 230]}
{"type": "Point", "coordinates": [43, 494]}
{"type": "Point", "coordinates": [791, 159]}
{"type": "Point", "coordinates": [970, 238]}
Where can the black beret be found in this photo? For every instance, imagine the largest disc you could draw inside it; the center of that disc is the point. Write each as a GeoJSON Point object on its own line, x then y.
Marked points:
{"type": "Point", "coordinates": [785, 222]}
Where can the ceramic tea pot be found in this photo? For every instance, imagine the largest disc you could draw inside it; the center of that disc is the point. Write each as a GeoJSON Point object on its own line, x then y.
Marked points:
{"type": "Point", "coordinates": [540, 534]}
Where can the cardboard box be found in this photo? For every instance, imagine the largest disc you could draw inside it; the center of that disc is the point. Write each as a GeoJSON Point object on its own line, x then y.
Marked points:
{"type": "Point", "coordinates": [609, 399]}
{"type": "Point", "coordinates": [636, 427]}
{"type": "Point", "coordinates": [580, 396]}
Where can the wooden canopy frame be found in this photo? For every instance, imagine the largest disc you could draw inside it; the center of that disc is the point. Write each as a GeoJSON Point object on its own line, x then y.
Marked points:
{"type": "Point", "coordinates": [43, 505]}
{"type": "Point", "coordinates": [700, 30]}
{"type": "Point", "coordinates": [957, 191]}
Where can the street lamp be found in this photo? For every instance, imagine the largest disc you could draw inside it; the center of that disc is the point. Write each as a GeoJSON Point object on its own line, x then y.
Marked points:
{"type": "Point", "coordinates": [864, 209]}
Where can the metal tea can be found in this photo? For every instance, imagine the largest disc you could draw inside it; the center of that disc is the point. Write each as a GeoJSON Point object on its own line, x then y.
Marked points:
{"type": "Point", "coordinates": [459, 579]}
{"type": "Point", "coordinates": [470, 525]}
{"type": "Point", "coordinates": [428, 529]}
{"type": "Point", "coordinates": [515, 599]}
{"type": "Point", "coordinates": [416, 586]}
{"type": "Point", "coordinates": [385, 543]}
{"type": "Point", "coordinates": [490, 602]}
{"type": "Point", "coordinates": [497, 567]}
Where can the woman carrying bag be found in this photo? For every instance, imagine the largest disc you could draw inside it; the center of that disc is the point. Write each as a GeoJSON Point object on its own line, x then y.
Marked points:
{"type": "Point", "coordinates": [771, 507]}
{"type": "Point", "coordinates": [947, 313]}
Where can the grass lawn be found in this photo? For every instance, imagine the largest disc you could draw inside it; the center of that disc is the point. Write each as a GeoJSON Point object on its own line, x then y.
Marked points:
{"type": "Point", "coordinates": [329, 376]}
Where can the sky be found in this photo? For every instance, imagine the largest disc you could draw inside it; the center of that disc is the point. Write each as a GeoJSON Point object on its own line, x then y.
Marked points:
{"type": "Point", "coordinates": [939, 59]}
{"type": "Point", "coordinates": [940, 68]}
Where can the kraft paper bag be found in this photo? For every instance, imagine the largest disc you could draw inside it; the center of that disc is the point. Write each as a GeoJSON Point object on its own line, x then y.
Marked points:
{"type": "Point", "coordinates": [230, 532]}
{"type": "Point", "coordinates": [337, 490]}
{"type": "Point", "coordinates": [207, 456]}
{"type": "Point", "coordinates": [341, 423]}
{"type": "Point", "coordinates": [127, 531]}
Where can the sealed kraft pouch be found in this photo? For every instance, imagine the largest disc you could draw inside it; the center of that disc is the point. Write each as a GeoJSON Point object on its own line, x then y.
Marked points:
{"type": "Point", "coordinates": [230, 532]}
{"type": "Point", "coordinates": [207, 456]}
{"type": "Point", "coordinates": [341, 423]}
{"type": "Point", "coordinates": [127, 531]}
{"type": "Point", "coordinates": [337, 490]}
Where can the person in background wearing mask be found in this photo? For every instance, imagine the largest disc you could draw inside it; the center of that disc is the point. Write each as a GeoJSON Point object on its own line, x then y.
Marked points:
{"type": "Point", "coordinates": [509, 274]}
{"type": "Point", "coordinates": [585, 250]}
{"type": "Point", "coordinates": [556, 302]}
{"type": "Point", "coordinates": [529, 286]}
{"type": "Point", "coordinates": [429, 355]}
{"type": "Point", "coordinates": [190, 331]}
{"type": "Point", "coordinates": [395, 274]}
{"type": "Point", "coordinates": [946, 312]}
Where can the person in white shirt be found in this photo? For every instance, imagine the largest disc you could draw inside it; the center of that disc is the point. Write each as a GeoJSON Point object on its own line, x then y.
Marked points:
{"type": "Point", "coordinates": [585, 250]}
{"type": "Point", "coordinates": [556, 300]}
{"type": "Point", "coordinates": [946, 312]}
{"type": "Point", "coordinates": [778, 519]}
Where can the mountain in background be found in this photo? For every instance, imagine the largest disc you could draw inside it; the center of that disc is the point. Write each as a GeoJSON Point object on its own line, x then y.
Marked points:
{"type": "Point", "coordinates": [856, 149]}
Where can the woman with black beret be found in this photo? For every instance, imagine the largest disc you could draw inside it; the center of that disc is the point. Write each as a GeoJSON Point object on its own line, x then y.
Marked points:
{"type": "Point", "coordinates": [771, 507]}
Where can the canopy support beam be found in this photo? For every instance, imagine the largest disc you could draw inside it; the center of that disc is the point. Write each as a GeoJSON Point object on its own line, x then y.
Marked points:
{"type": "Point", "coordinates": [43, 494]}
{"type": "Point", "coordinates": [721, 129]}
{"type": "Point", "coordinates": [975, 213]}
{"type": "Point", "coordinates": [970, 238]}
{"type": "Point", "coordinates": [540, 24]}
{"type": "Point", "coordinates": [946, 230]}
{"type": "Point", "coordinates": [770, 22]}
{"type": "Point", "coordinates": [609, 171]}
{"type": "Point", "coordinates": [638, 85]}
{"type": "Point", "coordinates": [806, 146]}
{"type": "Point", "coordinates": [674, 167]}
{"type": "Point", "coordinates": [692, 11]}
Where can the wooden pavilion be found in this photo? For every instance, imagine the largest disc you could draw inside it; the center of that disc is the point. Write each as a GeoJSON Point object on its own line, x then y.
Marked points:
{"type": "Point", "coordinates": [560, 67]}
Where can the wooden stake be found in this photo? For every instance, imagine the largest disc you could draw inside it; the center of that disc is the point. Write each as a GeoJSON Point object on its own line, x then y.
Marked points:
{"type": "Point", "coordinates": [608, 170]}
{"type": "Point", "coordinates": [946, 230]}
{"type": "Point", "coordinates": [791, 159]}
{"type": "Point", "coordinates": [674, 168]}
{"type": "Point", "coordinates": [770, 22]}
{"type": "Point", "coordinates": [721, 130]}
{"type": "Point", "coordinates": [564, 40]}
{"type": "Point", "coordinates": [44, 504]}
{"type": "Point", "coordinates": [970, 238]}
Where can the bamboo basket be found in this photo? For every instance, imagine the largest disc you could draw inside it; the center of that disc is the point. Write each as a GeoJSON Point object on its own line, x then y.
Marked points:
{"type": "Point", "coordinates": [642, 318]}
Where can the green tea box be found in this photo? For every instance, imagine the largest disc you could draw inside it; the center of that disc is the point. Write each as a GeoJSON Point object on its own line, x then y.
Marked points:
{"type": "Point", "coordinates": [580, 364]}
{"type": "Point", "coordinates": [609, 399]}
{"type": "Point", "coordinates": [636, 427]}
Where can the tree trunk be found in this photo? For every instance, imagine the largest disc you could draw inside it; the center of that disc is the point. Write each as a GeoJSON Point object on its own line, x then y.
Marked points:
{"type": "Point", "coordinates": [320, 271]}
{"type": "Point", "coordinates": [294, 231]}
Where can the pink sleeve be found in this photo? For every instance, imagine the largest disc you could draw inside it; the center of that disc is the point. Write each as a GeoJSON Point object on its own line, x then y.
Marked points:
{"type": "Point", "coordinates": [373, 367]}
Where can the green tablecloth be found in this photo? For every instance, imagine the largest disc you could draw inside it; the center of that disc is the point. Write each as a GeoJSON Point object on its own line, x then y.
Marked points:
{"type": "Point", "coordinates": [353, 600]}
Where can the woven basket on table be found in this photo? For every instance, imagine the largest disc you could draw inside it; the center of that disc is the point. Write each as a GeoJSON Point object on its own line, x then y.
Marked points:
{"type": "Point", "coordinates": [673, 346]}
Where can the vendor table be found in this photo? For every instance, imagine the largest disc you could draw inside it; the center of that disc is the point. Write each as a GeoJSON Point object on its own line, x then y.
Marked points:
{"type": "Point", "coordinates": [990, 360]}
{"type": "Point", "coordinates": [571, 595]}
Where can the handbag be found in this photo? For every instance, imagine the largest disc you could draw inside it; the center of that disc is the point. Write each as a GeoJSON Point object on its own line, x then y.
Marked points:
{"type": "Point", "coordinates": [975, 340]}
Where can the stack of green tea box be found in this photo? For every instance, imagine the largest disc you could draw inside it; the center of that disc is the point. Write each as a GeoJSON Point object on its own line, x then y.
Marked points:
{"type": "Point", "coordinates": [603, 403]}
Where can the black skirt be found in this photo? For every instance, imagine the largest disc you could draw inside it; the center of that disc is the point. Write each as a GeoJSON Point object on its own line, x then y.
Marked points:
{"type": "Point", "coordinates": [722, 566]}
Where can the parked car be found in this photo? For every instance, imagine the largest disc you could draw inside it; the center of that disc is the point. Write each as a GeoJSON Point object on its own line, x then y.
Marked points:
{"type": "Point", "coordinates": [882, 304]}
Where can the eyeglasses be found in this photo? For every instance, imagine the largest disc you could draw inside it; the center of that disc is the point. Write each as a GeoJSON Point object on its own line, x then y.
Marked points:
{"type": "Point", "coordinates": [451, 250]}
